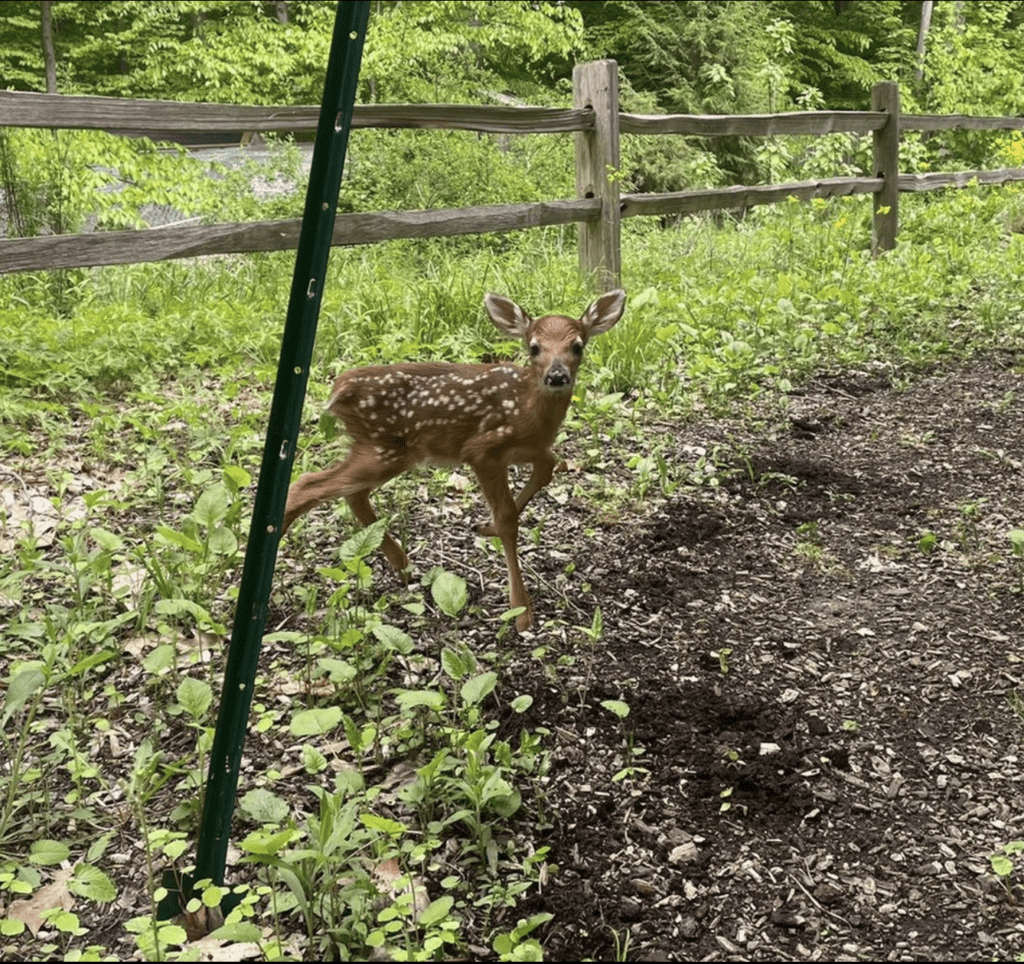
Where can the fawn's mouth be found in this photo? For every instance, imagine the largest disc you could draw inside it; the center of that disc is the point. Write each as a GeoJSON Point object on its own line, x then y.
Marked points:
{"type": "Point", "coordinates": [561, 388]}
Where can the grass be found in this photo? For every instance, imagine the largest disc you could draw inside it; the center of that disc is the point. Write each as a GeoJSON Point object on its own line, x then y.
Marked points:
{"type": "Point", "coordinates": [133, 416]}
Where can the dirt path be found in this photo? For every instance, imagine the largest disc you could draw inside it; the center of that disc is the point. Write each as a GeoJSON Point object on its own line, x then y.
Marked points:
{"type": "Point", "coordinates": [834, 795]}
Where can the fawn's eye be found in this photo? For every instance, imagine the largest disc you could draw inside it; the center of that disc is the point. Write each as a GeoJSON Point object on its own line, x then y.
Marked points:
{"type": "Point", "coordinates": [577, 349]}
{"type": "Point", "coordinates": [534, 350]}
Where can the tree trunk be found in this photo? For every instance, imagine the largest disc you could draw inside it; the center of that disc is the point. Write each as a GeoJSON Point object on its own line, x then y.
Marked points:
{"type": "Point", "coordinates": [922, 35]}
{"type": "Point", "coordinates": [281, 11]}
{"type": "Point", "coordinates": [49, 54]}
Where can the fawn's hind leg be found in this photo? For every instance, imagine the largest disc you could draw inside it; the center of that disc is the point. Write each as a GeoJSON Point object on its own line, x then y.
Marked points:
{"type": "Point", "coordinates": [359, 503]}
{"type": "Point", "coordinates": [354, 479]}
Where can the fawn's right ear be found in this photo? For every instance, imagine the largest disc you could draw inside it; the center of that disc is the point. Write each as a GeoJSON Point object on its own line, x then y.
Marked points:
{"type": "Point", "coordinates": [506, 315]}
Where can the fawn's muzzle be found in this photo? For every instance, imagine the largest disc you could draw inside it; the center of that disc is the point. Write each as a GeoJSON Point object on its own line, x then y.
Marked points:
{"type": "Point", "coordinates": [557, 377]}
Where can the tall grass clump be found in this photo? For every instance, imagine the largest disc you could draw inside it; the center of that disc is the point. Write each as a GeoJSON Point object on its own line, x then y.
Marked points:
{"type": "Point", "coordinates": [731, 307]}
{"type": "Point", "coordinates": [764, 301]}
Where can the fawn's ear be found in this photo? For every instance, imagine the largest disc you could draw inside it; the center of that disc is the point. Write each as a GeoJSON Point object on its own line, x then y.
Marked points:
{"type": "Point", "coordinates": [605, 312]}
{"type": "Point", "coordinates": [506, 315]}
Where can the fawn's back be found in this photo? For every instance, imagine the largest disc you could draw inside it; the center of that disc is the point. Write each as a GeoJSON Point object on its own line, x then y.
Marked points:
{"type": "Point", "coordinates": [429, 412]}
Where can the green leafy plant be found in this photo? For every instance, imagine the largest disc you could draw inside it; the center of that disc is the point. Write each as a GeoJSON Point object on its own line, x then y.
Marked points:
{"type": "Point", "coordinates": [620, 709]}
{"type": "Point", "coordinates": [809, 541]}
{"type": "Point", "coordinates": [517, 945]}
{"type": "Point", "coordinates": [967, 530]}
{"type": "Point", "coordinates": [25, 687]}
{"type": "Point", "coordinates": [1003, 865]}
{"type": "Point", "coordinates": [1016, 537]}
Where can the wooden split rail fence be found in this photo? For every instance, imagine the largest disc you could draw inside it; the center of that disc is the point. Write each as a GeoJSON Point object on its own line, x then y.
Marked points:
{"type": "Point", "coordinates": [595, 120]}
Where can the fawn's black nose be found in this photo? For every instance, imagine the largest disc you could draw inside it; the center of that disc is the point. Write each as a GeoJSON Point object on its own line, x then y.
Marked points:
{"type": "Point", "coordinates": [556, 377]}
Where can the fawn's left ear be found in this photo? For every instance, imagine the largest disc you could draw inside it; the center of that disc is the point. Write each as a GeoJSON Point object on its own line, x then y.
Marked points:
{"type": "Point", "coordinates": [506, 315]}
{"type": "Point", "coordinates": [605, 312]}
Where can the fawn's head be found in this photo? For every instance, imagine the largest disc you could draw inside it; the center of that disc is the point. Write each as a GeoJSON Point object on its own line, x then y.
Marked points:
{"type": "Point", "coordinates": [555, 343]}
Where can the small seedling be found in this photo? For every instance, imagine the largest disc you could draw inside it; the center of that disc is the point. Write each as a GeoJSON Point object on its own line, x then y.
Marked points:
{"type": "Point", "coordinates": [621, 944]}
{"type": "Point", "coordinates": [726, 803]}
{"type": "Point", "coordinates": [809, 541]}
{"type": "Point", "coordinates": [1002, 865]}
{"type": "Point", "coordinates": [1017, 544]}
{"type": "Point", "coordinates": [927, 542]}
{"type": "Point", "coordinates": [1003, 405]}
{"type": "Point", "coordinates": [517, 945]}
{"type": "Point", "coordinates": [809, 530]}
{"type": "Point", "coordinates": [970, 516]}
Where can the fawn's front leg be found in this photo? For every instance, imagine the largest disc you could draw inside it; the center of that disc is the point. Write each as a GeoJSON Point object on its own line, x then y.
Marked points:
{"type": "Point", "coordinates": [543, 469]}
{"type": "Point", "coordinates": [493, 481]}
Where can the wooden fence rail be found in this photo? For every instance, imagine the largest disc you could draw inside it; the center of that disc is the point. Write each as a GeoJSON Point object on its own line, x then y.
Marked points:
{"type": "Point", "coordinates": [19, 109]}
{"type": "Point", "coordinates": [595, 120]}
{"type": "Point", "coordinates": [188, 241]}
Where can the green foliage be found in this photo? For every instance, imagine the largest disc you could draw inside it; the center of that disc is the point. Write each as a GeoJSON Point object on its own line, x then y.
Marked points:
{"type": "Point", "coordinates": [695, 58]}
{"type": "Point", "coordinates": [730, 58]}
{"type": "Point", "coordinates": [789, 290]}
{"type": "Point", "coordinates": [218, 50]}
{"type": "Point", "coordinates": [64, 182]}
{"type": "Point", "coordinates": [1002, 863]}
{"type": "Point", "coordinates": [972, 66]}
{"type": "Point", "coordinates": [189, 565]}
{"type": "Point", "coordinates": [401, 170]}
{"type": "Point", "coordinates": [517, 945]}
{"type": "Point", "coordinates": [428, 51]}
{"type": "Point", "coordinates": [212, 50]}
{"type": "Point", "coordinates": [842, 54]}
{"type": "Point", "coordinates": [801, 278]}
{"type": "Point", "coordinates": [21, 53]}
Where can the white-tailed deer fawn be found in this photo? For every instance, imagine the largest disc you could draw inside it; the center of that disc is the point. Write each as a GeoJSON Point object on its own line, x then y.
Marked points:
{"type": "Point", "coordinates": [486, 416]}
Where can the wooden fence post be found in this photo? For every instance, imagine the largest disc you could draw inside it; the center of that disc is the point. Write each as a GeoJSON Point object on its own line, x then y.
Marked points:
{"type": "Point", "coordinates": [596, 86]}
{"type": "Point", "coordinates": [886, 158]}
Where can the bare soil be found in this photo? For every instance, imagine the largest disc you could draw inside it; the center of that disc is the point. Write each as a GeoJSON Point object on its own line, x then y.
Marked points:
{"type": "Point", "coordinates": [830, 785]}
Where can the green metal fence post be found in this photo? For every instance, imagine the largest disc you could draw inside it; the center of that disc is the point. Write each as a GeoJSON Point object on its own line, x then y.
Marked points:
{"type": "Point", "coordinates": [285, 416]}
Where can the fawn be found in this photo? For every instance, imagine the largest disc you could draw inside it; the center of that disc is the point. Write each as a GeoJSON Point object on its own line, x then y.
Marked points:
{"type": "Point", "coordinates": [487, 416]}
